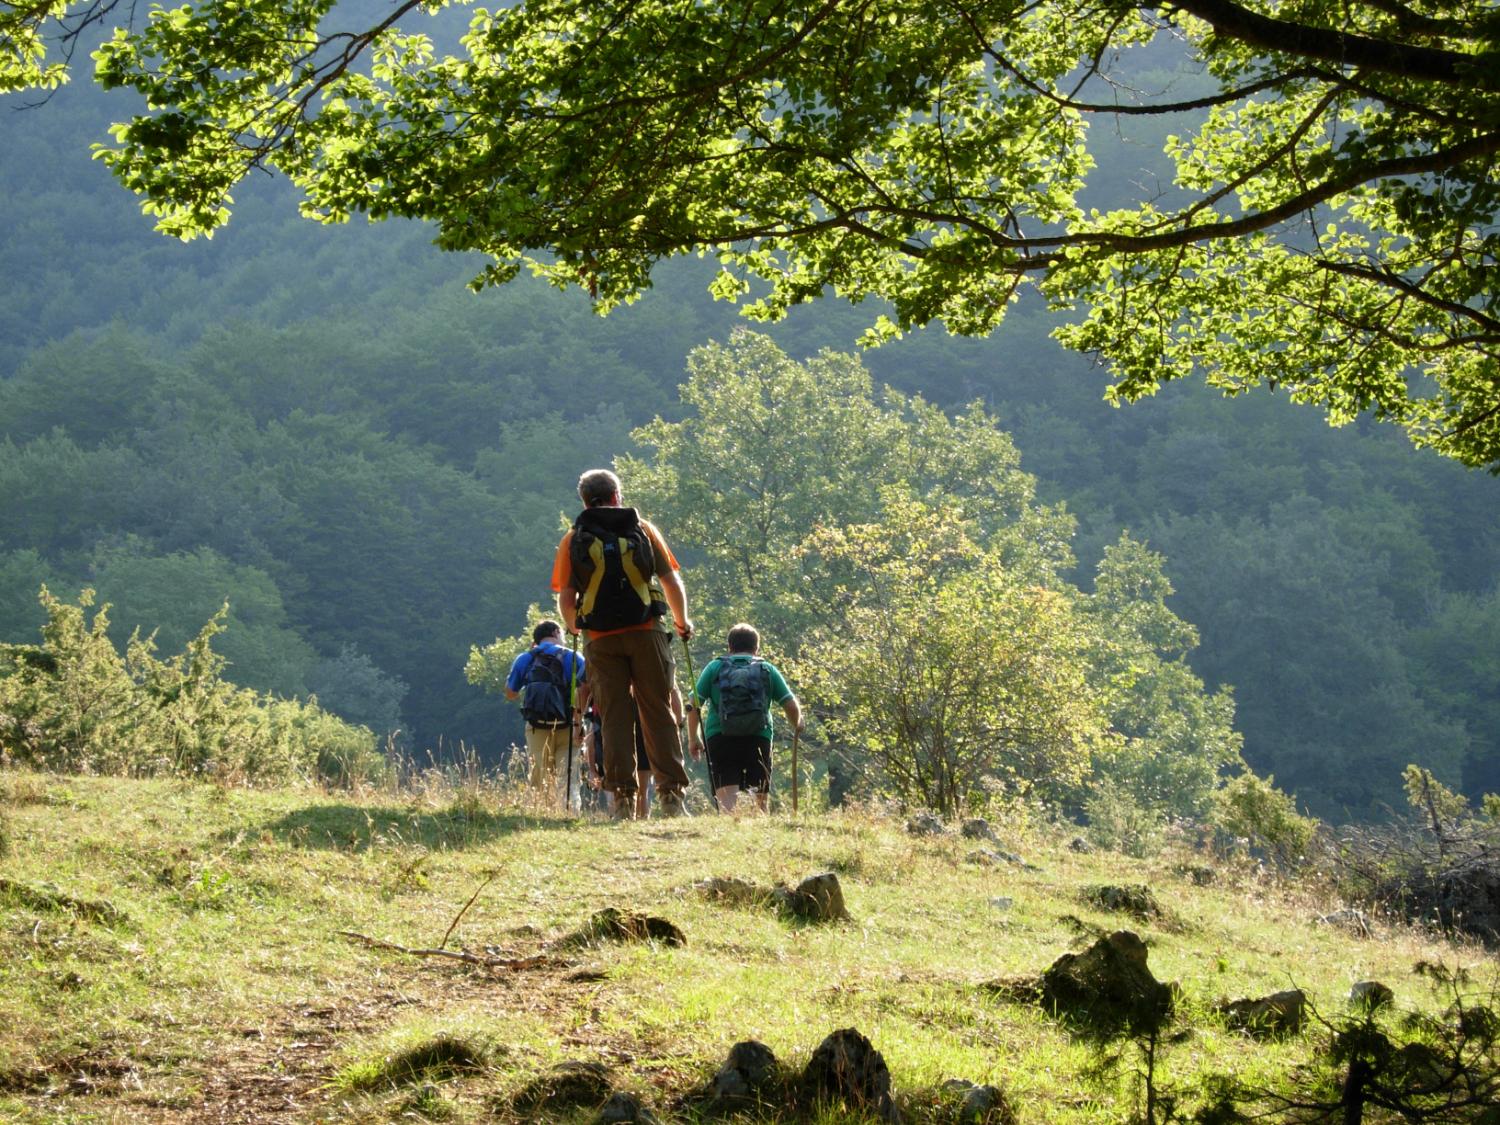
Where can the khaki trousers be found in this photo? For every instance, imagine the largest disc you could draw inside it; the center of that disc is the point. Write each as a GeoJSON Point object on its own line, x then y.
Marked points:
{"type": "Point", "coordinates": [640, 659]}
{"type": "Point", "coordinates": [548, 748]}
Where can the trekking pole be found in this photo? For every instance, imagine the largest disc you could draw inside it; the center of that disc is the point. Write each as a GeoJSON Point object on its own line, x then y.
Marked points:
{"type": "Point", "coordinates": [687, 656]}
{"type": "Point", "coordinates": [796, 735]}
{"type": "Point", "coordinates": [572, 709]}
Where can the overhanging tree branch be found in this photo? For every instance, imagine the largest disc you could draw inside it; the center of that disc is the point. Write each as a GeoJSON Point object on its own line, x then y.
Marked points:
{"type": "Point", "coordinates": [1353, 177]}
{"type": "Point", "coordinates": [1286, 37]}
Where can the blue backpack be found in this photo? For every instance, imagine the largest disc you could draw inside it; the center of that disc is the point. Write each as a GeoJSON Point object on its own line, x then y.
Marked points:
{"type": "Point", "coordinates": [544, 693]}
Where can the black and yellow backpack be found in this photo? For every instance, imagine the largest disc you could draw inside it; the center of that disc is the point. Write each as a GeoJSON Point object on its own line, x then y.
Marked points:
{"type": "Point", "coordinates": [613, 564]}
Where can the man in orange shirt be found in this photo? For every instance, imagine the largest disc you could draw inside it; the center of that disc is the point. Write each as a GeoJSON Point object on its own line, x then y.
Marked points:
{"type": "Point", "coordinates": [603, 575]}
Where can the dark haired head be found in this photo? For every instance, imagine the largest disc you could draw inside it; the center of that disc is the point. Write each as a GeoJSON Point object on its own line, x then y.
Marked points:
{"type": "Point", "coordinates": [597, 486]}
{"type": "Point", "coordinates": [744, 638]}
{"type": "Point", "coordinates": [545, 629]}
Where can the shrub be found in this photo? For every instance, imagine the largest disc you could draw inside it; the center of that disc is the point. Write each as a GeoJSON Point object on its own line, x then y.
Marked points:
{"type": "Point", "coordinates": [70, 704]}
{"type": "Point", "coordinates": [1439, 863]}
{"type": "Point", "coordinates": [1254, 809]}
{"type": "Point", "coordinates": [74, 705]}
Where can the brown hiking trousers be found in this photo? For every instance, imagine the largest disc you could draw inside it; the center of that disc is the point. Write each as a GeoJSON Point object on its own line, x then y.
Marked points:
{"type": "Point", "coordinates": [641, 658]}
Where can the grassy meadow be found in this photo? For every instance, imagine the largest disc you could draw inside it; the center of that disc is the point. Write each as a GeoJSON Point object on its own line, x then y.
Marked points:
{"type": "Point", "coordinates": [171, 952]}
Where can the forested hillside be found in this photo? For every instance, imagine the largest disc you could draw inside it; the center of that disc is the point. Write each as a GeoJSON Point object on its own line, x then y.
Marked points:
{"type": "Point", "coordinates": [324, 427]}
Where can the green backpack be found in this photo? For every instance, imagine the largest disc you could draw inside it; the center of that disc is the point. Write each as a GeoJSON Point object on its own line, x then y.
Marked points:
{"type": "Point", "coordinates": [744, 697]}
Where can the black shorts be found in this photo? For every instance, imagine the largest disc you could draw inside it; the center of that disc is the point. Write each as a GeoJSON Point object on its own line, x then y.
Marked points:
{"type": "Point", "coordinates": [741, 760]}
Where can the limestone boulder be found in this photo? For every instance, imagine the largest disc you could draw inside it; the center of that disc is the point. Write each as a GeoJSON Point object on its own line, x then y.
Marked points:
{"type": "Point", "coordinates": [978, 1105]}
{"type": "Point", "coordinates": [624, 1108]}
{"type": "Point", "coordinates": [746, 1077]}
{"type": "Point", "coordinates": [926, 824]}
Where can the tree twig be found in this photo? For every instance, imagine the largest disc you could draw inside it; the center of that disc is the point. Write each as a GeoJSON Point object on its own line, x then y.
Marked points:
{"type": "Point", "coordinates": [465, 910]}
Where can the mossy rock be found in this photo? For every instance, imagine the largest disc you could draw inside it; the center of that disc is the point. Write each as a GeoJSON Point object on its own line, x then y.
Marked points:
{"type": "Point", "coordinates": [568, 1085]}
{"type": "Point", "coordinates": [612, 925]}
{"type": "Point", "coordinates": [1135, 899]}
{"type": "Point", "coordinates": [1108, 989]}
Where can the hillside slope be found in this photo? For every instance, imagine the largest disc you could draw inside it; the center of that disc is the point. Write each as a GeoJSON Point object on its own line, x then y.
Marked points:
{"type": "Point", "coordinates": [171, 952]}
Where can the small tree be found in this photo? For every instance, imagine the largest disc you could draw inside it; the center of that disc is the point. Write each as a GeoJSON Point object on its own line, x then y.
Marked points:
{"type": "Point", "coordinates": [770, 448]}
{"type": "Point", "coordinates": [1378, 1065]}
{"type": "Point", "coordinates": [944, 669]}
{"type": "Point", "coordinates": [898, 564]}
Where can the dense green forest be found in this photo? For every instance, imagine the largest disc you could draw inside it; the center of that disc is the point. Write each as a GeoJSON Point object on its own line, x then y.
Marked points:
{"type": "Point", "coordinates": [323, 426]}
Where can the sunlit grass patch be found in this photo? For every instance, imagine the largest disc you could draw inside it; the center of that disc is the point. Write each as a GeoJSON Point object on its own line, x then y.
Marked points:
{"type": "Point", "coordinates": [231, 964]}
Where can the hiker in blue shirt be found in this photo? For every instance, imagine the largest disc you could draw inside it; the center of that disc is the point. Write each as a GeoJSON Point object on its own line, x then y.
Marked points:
{"type": "Point", "coordinates": [542, 678]}
{"type": "Point", "coordinates": [738, 690]}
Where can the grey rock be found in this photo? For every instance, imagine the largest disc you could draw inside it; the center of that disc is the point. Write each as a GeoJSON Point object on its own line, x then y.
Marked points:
{"type": "Point", "coordinates": [1370, 995]}
{"type": "Point", "coordinates": [729, 1086]}
{"type": "Point", "coordinates": [1350, 920]}
{"type": "Point", "coordinates": [754, 1060]}
{"type": "Point", "coordinates": [1280, 1013]}
{"type": "Point", "coordinates": [925, 824]}
{"type": "Point", "coordinates": [750, 1068]}
{"type": "Point", "coordinates": [977, 829]}
{"type": "Point", "coordinates": [1002, 902]}
{"type": "Point", "coordinates": [1080, 845]}
{"type": "Point", "coordinates": [626, 1109]}
{"type": "Point", "coordinates": [991, 857]}
{"type": "Point", "coordinates": [1108, 986]}
{"type": "Point", "coordinates": [979, 1105]}
{"type": "Point", "coordinates": [1135, 900]}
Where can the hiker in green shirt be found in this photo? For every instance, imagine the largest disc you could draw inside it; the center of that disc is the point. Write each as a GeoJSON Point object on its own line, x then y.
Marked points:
{"type": "Point", "coordinates": [738, 690]}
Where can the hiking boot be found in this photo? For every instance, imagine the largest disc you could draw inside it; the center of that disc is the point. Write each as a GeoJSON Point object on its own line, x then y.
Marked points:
{"type": "Point", "coordinates": [624, 807]}
{"type": "Point", "coordinates": [671, 804]}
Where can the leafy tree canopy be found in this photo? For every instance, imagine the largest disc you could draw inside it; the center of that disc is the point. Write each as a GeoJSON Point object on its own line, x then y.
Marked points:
{"type": "Point", "coordinates": [1329, 228]}
{"type": "Point", "coordinates": [770, 448]}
